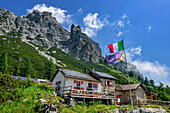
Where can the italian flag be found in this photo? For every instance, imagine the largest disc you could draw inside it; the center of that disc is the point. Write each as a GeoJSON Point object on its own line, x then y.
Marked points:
{"type": "Point", "coordinates": [116, 47]}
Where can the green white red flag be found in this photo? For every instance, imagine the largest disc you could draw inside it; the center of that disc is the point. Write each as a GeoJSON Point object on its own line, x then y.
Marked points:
{"type": "Point", "coordinates": [116, 47]}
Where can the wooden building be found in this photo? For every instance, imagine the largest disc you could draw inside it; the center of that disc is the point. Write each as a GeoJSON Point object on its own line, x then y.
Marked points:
{"type": "Point", "coordinates": [151, 95]}
{"type": "Point", "coordinates": [68, 83]}
{"type": "Point", "coordinates": [107, 81]}
{"type": "Point", "coordinates": [138, 93]}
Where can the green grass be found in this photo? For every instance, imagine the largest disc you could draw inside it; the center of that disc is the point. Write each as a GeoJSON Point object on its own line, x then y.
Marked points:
{"type": "Point", "coordinates": [17, 49]}
{"type": "Point", "coordinates": [23, 98]}
{"type": "Point", "coordinates": [150, 106]}
{"type": "Point", "coordinates": [88, 109]}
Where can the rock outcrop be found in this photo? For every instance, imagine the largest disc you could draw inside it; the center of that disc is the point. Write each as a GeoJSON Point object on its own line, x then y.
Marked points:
{"type": "Point", "coordinates": [121, 66]}
{"type": "Point", "coordinates": [41, 29]}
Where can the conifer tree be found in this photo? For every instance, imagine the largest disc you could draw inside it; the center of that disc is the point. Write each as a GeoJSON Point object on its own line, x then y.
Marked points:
{"type": "Point", "coordinates": [146, 82]}
{"type": "Point", "coordinates": [29, 68]}
{"type": "Point", "coordinates": [152, 83]}
{"type": "Point", "coordinates": [50, 70]}
{"type": "Point", "coordinates": [4, 63]}
{"type": "Point", "coordinates": [17, 70]}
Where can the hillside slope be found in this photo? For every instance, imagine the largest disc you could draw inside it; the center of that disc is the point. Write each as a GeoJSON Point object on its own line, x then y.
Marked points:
{"type": "Point", "coordinates": [22, 58]}
{"type": "Point", "coordinates": [20, 55]}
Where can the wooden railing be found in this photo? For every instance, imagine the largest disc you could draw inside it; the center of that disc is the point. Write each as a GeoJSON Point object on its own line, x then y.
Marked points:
{"type": "Point", "coordinates": [151, 102]}
{"type": "Point", "coordinates": [91, 93]}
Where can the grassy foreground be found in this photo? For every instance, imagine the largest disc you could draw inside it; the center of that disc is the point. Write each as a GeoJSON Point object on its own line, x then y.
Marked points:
{"type": "Point", "coordinates": [18, 96]}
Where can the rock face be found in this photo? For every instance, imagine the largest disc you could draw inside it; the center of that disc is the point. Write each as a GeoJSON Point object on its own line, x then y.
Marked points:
{"type": "Point", "coordinates": [121, 66]}
{"type": "Point", "coordinates": [42, 29]}
{"type": "Point", "coordinates": [81, 46]}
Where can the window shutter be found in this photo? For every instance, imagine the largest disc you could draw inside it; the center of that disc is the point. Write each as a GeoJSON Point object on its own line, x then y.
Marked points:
{"type": "Point", "coordinates": [55, 88]}
{"type": "Point", "coordinates": [75, 84]}
{"type": "Point", "coordinates": [110, 83]}
{"type": "Point", "coordinates": [59, 87]}
{"type": "Point", "coordinates": [81, 85]}
{"type": "Point", "coordinates": [75, 81]}
{"type": "Point", "coordinates": [106, 83]}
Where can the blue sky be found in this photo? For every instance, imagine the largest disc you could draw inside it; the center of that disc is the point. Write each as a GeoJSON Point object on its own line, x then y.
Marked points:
{"type": "Point", "coordinates": [143, 24]}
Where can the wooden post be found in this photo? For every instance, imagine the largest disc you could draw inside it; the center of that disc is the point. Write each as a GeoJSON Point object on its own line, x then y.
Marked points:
{"type": "Point", "coordinates": [107, 102]}
{"type": "Point", "coordinates": [93, 98]}
{"type": "Point", "coordinates": [61, 92]}
{"type": "Point", "coordinates": [83, 100]}
{"type": "Point", "coordinates": [84, 97]}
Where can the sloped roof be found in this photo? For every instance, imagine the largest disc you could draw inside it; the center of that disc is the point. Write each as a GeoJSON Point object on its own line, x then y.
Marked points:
{"type": "Point", "coordinates": [105, 75]}
{"type": "Point", "coordinates": [118, 87]}
{"type": "Point", "coordinates": [126, 87]}
{"type": "Point", "coordinates": [152, 93]}
{"type": "Point", "coordinates": [74, 74]}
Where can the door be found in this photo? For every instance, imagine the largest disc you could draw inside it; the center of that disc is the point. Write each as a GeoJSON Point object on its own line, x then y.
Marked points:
{"type": "Point", "coordinates": [89, 86]}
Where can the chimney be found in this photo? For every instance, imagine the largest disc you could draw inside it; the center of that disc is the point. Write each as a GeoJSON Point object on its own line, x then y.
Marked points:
{"type": "Point", "coordinates": [85, 70]}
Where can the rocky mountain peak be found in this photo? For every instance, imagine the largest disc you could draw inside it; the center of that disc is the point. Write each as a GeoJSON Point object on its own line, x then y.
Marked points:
{"type": "Point", "coordinates": [42, 29]}
{"type": "Point", "coordinates": [75, 28]}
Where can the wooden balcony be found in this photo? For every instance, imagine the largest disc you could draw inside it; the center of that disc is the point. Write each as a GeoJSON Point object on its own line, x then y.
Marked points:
{"type": "Point", "coordinates": [88, 93]}
{"type": "Point", "coordinates": [152, 102]}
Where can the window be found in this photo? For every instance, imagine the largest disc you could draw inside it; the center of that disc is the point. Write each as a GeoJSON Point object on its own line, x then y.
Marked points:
{"type": "Point", "coordinates": [89, 86]}
{"type": "Point", "coordinates": [95, 86]}
{"type": "Point", "coordinates": [78, 84]}
{"type": "Point", "coordinates": [108, 83]}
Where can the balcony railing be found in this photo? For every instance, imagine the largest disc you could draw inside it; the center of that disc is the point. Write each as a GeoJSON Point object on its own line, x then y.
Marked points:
{"type": "Point", "coordinates": [87, 93]}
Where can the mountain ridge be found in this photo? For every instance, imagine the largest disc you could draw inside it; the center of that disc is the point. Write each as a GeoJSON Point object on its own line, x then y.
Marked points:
{"type": "Point", "coordinates": [41, 29]}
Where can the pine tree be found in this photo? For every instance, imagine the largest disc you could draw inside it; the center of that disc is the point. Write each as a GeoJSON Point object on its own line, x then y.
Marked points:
{"type": "Point", "coordinates": [146, 82]}
{"type": "Point", "coordinates": [50, 70]}
{"type": "Point", "coordinates": [167, 90]}
{"type": "Point", "coordinates": [152, 83]}
{"type": "Point", "coordinates": [29, 69]}
{"type": "Point", "coordinates": [4, 63]}
{"type": "Point", "coordinates": [17, 70]}
{"type": "Point", "coordinates": [131, 74]}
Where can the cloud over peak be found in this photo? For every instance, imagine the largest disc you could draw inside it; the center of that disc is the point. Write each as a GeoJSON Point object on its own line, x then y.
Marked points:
{"type": "Point", "coordinates": [93, 23]}
{"type": "Point", "coordinates": [58, 13]}
{"type": "Point", "coordinates": [152, 70]}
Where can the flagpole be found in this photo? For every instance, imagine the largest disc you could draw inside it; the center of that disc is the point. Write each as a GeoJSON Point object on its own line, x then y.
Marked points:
{"type": "Point", "coordinates": [128, 78]}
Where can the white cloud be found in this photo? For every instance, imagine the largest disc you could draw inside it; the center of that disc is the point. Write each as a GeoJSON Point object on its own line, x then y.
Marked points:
{"type": "Point", "coordinates": [90, 32]}
{"type": "Point", "coordinates": [80, 10]}
{"type": "Point", "coordinates": [149, 28]}
{"type": "Point", "coordinates": [124, 16]}
{"type": "Point", "coordinates": [93, 23]}
{"type": "Point", "coordinates": [128, 22]}
{"type": "Point", "coordinates": [58, 13]}
{"type": "Point", "coordinates": [120, 33]}
{"type": "Point", "coordinates": [136, 50]}
{"type": "Point", "coordinates": [152, 70]}
{"type": "Point", "coordinates": [120, 24]}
